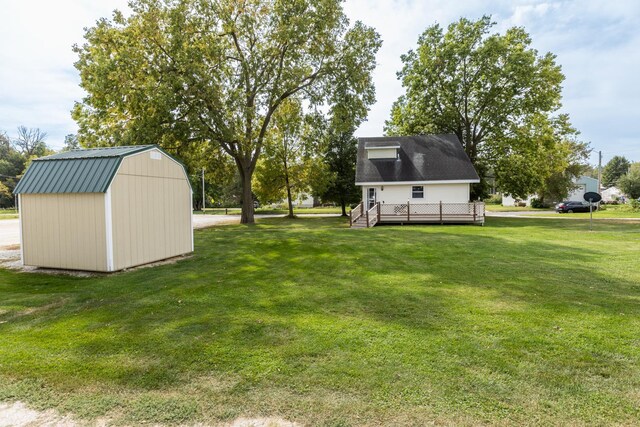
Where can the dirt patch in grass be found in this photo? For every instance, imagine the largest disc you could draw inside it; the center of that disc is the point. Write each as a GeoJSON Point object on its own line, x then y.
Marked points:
{"type": "Point", "coordinates": [17, 414]}
{"type": "Point", "coordinates": [261, 422]}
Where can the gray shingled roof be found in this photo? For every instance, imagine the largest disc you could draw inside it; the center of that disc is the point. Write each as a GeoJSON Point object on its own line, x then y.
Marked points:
{"type": "Point", "coordinates": [76, 171]}
{"type": "Point", "coordinates": [421, 158]}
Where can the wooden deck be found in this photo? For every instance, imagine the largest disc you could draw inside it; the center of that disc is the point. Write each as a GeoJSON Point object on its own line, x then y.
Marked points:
{"type": "Point", "coordinates": [425, 213]}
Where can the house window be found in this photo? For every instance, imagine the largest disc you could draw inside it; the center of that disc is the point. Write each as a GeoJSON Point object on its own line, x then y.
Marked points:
{"type": "Point", "coordinates": [417, 192]}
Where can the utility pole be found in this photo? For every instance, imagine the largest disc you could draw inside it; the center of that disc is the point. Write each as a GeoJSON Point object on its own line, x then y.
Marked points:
{"type": "Point", "coordinates": [599, 172]}
{"type": "Point", "coordinates": [202, 189]}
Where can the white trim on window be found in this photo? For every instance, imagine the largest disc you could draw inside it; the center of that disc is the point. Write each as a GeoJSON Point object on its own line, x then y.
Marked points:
{"type": "Point", "coordinates": [386, 147]}
{"type": "Point", "coordinates": [417, 189]}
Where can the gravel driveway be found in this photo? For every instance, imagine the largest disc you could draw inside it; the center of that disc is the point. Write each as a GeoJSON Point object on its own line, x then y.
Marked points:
{"type": "Point", "coordinates": [9, 233]}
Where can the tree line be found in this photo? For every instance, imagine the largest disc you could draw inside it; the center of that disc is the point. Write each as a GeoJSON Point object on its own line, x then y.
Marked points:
{"type": "Point", "coordinates": [620, 172]}
{"type": "Point", "coordinates": [266, 96]}
{"type": "Point", "coordinates": [17, 152]}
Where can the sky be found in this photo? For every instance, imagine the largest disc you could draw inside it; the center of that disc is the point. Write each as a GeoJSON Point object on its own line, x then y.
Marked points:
{"type": "Point", "coordinates": [597, 43]}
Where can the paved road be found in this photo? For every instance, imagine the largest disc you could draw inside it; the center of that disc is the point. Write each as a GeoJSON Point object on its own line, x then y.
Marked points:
{"type": "Point", "coordinates": [519, 213]}
{"type": "Point", "coordinates": [10, 231]}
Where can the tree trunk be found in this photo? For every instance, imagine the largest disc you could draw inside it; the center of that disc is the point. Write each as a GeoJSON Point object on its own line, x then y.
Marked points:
{"type": "Point", "coordinates": [343, 204]}
{"type": "Point", "coordinates": [247, 196]}
{"type": "Point", "coordinates": [291, 215]}
{"type": "Point", "coordinates": [288, 185]}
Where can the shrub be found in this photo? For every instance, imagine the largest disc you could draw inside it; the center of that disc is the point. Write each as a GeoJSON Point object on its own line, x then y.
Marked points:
{"type": "Point", "coordinates": [537, 203]}
{"type": "Point", "coordinates": [495, 199]}
{"type": "Point", "coordinates": [635, 205]}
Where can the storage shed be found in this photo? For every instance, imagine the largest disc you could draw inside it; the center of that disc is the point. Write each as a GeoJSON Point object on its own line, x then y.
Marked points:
{"type": "Point", "coordinates": [104, 209]}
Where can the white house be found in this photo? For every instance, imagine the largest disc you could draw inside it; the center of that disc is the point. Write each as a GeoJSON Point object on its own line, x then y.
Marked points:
{"type": "Point", "coordinates": [508, 200]}
{"type": "Point", "coordinates": [413, 178]}
{"type": "Point", "coordinates": [582, 184]}
{"type": "Point", "coordinates": [612, 193]}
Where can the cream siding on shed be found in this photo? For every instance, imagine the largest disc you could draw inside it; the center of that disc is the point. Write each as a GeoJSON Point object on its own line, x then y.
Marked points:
{"type": "Point", "coordinates": [151, 210]}
{"type": "Point", "coordinates": [64, 231]}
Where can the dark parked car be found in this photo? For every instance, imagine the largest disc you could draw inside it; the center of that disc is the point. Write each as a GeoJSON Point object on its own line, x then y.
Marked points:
{"type": "Point", "coordinates": [570, 207]}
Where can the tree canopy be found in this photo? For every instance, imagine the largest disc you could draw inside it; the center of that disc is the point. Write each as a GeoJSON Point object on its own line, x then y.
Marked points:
{"type": "Point", "coordinates": [285, 168]}
{"type": "Point", "coordinates": [183, 73]}
{"type": "Point", "coordinates": [614, 169]}
{"type": "Point", "coordinates": [497, 94]}
{"type": "Point", "coordinates": [629, 183]}
{"type": "Point", "coordinates": [15, 155]}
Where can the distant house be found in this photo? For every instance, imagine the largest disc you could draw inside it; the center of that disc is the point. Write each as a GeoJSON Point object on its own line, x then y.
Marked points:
{"type": "Point", "coordinates": [425, 178]}
{"type": "Point", "coordinates": [583, 184]}
{"type": "Point", "coordinates": [612, 194]}
{"type": "Point", "coordinates": [508, 200]}
{"type": "Point", "coordinates": [304, 201]}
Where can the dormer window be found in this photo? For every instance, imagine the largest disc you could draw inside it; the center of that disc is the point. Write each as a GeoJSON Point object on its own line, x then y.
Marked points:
{"type": "Point", "coordinates": [383, 151]}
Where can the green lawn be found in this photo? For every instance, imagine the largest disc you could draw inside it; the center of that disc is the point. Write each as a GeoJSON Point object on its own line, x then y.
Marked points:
{"type": "Point", "coordinates": [271, 211]}
{"type": "Point", "coordinates": [8, 214]}
{"type": "Point", "coordinates": [523, 321]}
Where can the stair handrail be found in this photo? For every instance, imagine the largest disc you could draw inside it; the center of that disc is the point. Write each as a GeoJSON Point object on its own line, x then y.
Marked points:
{"type": "Point", "coordinates": [372, 216]}
{"type": "Point", "coordinates": [355, 213]}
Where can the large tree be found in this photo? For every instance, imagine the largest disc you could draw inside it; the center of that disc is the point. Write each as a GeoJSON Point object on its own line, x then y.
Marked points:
{"type": "Point", "coordinates": [183, 72]}
{"type": "Point", "coordinates": [349, 108]}
{"type": "Point", "coordinates": [340, 157]}
{"type": "Point", "coordinates": [288, 156]}
{"type": "Point", "coordinates": [15, 155]}
{"type": "Point", "coordinates": [494, 91]}
{"type": "Point", "coordinates": [614, 169]}
{"type": "Point", "coordinates": [31, 142]}
{"type": "Point", "coordinates": [70, 142]}
{"type": "Point", "coordinates": [12, 164]}
{"type": "Point", "coordinates": [629, 183]}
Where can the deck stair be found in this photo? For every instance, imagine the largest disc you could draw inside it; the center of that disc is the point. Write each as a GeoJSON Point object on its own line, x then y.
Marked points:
{"type": "Point", "coordinates": [360, 217]}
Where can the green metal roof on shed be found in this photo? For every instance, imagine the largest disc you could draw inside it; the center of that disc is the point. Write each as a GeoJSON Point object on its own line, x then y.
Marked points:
{"type": "Point", "coordinates": [76, 171]}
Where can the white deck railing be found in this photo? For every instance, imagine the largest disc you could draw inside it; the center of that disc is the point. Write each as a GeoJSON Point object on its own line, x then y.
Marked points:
{"type": "Point", "coordinates": [473, 212]}
{"type": "Point", "coordinates": [432, 212]}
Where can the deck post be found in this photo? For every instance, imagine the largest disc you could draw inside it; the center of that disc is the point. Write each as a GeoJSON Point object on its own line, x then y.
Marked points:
{"type": "Point", "coordinates": [362, 208]}
{"type": "Point", "coordinates": [367, 218]}
{"type": "Point", "coordinates": [408, 211]}
{"type": "Point", "coordinates": [474, 211]}
{"type": "Point", "coordinates": [378, 211]}
{"type": "Point", "coordinates": [440, 212]}
{"type": "Point", "coordinates": [351, 218]}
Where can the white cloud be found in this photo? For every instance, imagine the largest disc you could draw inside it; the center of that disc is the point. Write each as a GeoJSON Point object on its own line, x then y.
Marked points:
{"type": "Point", "coordinates": [38, 83]}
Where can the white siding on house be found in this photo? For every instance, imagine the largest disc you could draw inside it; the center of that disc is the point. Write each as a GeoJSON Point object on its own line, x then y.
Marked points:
{"type": "Point", "coordinates": [447, 193]}
{"type": "Point", "coordinates": [577, 195]}
{"type": "Point", "coordinates": [433, 193]}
